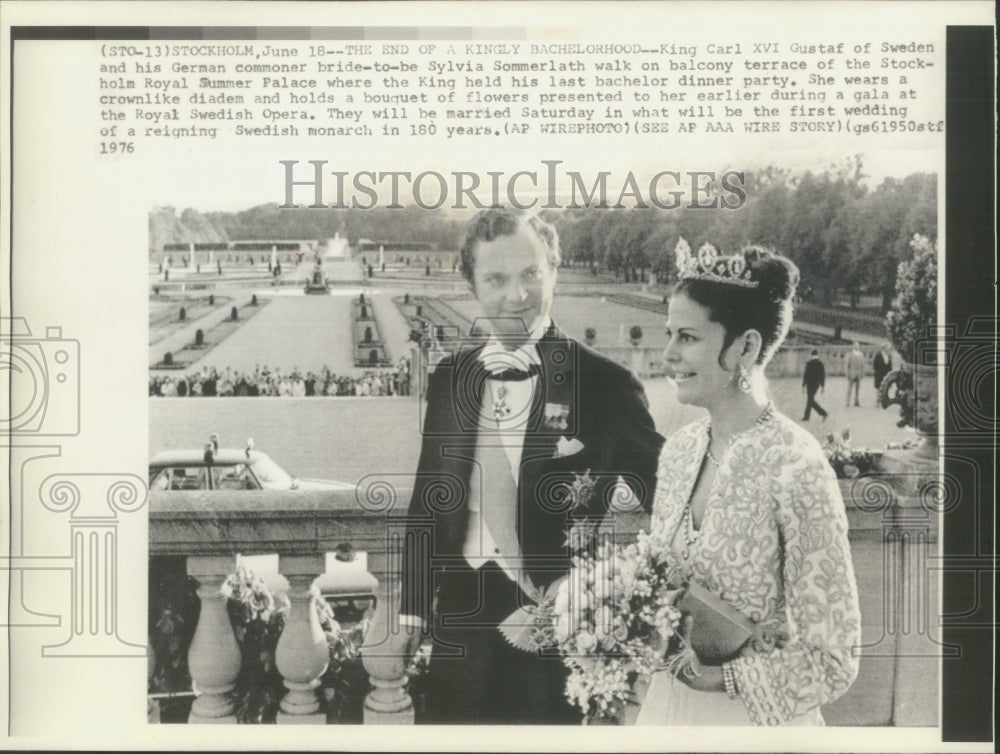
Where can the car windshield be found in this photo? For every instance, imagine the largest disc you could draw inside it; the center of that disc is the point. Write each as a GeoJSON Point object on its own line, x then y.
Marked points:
{"type": "Point", "coordinates": [238, 477]}
{"type": "Point", "coordinates": [181, 478]}
{"type": "Point", "coordinates": [271, 475]}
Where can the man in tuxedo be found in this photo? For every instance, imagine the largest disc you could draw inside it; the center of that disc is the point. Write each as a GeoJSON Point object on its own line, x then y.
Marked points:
{"type": "Point", "coordinates": [523, 434]}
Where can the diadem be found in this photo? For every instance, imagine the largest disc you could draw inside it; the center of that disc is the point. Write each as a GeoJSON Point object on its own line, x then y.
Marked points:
{"type": "Point", "coordinates": [708, 265]}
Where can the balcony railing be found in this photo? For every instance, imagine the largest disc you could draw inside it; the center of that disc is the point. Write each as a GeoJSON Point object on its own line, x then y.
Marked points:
{"type": "Point", "coordinates": [893, 539]}
{"type": "Point", "coordinates": [210, 528]}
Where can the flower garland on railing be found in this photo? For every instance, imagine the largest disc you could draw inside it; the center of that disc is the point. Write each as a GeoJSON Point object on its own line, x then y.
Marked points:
{"type": "Point", "coordinates": [258, 620]}
{"type": "Point", "coordinates": [258, 617]}
{"type": "Point", "coordinates": [847, 461]}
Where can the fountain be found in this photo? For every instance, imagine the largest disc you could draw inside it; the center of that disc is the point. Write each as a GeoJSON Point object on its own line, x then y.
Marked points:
{"type": "Point", "coordinates": [336, 248]}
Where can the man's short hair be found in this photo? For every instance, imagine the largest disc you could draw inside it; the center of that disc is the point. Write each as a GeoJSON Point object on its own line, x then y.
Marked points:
{"type": "Point", "coordinates": [490, 224]}
{"type": "Point", "coordinates": [815, 352]}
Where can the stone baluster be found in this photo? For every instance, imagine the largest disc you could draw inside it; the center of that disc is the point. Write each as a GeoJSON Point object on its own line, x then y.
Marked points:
{"type": "Point", "coordinates": [302, 654]}
{"type": "Point", "coordinates": [214, 656]}
{"type": "Point", "coordinates": [389, 702]}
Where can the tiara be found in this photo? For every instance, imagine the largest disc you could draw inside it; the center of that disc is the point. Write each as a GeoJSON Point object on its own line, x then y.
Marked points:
{"type": "Point", "coordinates": [708, 265]}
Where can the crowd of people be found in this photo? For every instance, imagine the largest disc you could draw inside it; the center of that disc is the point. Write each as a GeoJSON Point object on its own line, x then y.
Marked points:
{"type": "Point", "coordinates": [210, 381]}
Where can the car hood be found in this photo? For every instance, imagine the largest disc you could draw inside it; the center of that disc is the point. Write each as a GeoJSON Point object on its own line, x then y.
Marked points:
{"type": "Point", "coordinates": [322, 484]}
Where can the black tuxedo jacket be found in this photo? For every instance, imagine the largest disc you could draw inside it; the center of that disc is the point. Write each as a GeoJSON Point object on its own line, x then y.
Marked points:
{"type": "Point", "coordinates": [580, 396]}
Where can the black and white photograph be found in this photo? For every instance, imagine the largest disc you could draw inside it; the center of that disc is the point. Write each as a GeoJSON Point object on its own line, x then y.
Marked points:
{"type": "Point", "coordinates": [560, 369]}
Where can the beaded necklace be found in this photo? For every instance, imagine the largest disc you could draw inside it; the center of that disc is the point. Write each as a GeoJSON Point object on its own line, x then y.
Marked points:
{"type": "Point", "coordinates": [687, 518]}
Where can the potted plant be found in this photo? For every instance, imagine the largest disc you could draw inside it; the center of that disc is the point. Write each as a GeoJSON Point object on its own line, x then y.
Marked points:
{"type": "Point", "coordinates": [909, 321]}
{"type": "Point", "coordinates": [638, 355]}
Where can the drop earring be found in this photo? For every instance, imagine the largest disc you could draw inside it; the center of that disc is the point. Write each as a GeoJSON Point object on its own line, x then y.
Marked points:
{"type": "Point", "coordinates": [743, 379]}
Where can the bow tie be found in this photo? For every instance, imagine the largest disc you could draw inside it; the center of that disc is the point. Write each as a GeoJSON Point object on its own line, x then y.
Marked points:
{"type": "Point", "coordinates": [516, 375]}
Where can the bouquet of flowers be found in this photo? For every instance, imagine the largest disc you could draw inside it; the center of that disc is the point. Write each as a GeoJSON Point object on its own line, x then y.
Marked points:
{"type": "Point", "coordinates": [613, 617]}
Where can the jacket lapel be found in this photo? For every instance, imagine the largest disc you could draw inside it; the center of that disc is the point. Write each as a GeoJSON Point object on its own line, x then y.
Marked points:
{"type": "Point", "coordinates": [553, 415]}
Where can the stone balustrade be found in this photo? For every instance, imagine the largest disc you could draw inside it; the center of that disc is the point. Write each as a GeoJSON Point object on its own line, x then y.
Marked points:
{"type": "Point", "coordinates": [643, 361]}
{"type": "Point", "coordinates": [893, 533]}
{"type": "Point", "coordinates": [210, 528]}
{"type": "Point", "coordinates": [789, 361]}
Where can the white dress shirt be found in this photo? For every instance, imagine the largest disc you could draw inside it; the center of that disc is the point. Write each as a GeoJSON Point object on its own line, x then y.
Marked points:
{"type": "Point", "coordinates": [479, 545]}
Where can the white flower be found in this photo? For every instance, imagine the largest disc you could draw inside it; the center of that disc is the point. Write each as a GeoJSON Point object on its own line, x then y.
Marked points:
{"type": "Point", "coordinates": [585, 641]}
{"type": "Point", "coordinates": [604, 624]}
{"type": "Point", "coordinates": [623, 564]}
{"type": "Point", "coordinates": [561, 628]}
{"type": "Point", "coordinates": [567, 447]}
{"type": "Point", "coordinates": [604, 588]}
{"type": "Point", "coordinates": [605, 551]}
{"type": "Point", "coordinates": [561, 605]}
{"type": "Point", "coordinates": [643, 588]}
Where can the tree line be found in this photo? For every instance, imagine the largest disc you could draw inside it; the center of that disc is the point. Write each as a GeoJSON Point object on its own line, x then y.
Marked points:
{"type": "Point", "coordinates": [267, 222]}
{"type": "Point", "coordinates": [847, 239]}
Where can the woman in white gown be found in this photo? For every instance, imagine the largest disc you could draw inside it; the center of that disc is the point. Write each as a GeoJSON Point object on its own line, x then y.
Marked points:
{"type": "Point", "coordinates": [748, 502]}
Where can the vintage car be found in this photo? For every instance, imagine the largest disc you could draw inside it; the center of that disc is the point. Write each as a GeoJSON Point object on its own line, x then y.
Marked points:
{"type": "Point", "coordinates": [227, 469]}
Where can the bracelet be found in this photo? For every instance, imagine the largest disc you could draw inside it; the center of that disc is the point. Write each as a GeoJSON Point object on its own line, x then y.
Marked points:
{"type": "Point", "coordinates": [729, 679]}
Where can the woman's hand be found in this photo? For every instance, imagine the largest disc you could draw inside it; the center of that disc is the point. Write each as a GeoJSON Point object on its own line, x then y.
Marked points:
{"type": "Point", "coordinates": [709, 678]}
{"type": "Point", "coordinates": [697, 676]}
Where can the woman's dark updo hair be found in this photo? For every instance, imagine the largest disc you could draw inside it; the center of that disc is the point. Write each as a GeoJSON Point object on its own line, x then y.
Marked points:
{"type": "Point", "coordinates": [766, 308]}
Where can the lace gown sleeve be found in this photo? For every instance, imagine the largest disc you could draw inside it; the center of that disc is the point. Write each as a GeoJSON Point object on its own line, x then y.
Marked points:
{"type": "Point", "coordinates": [813, 664]}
